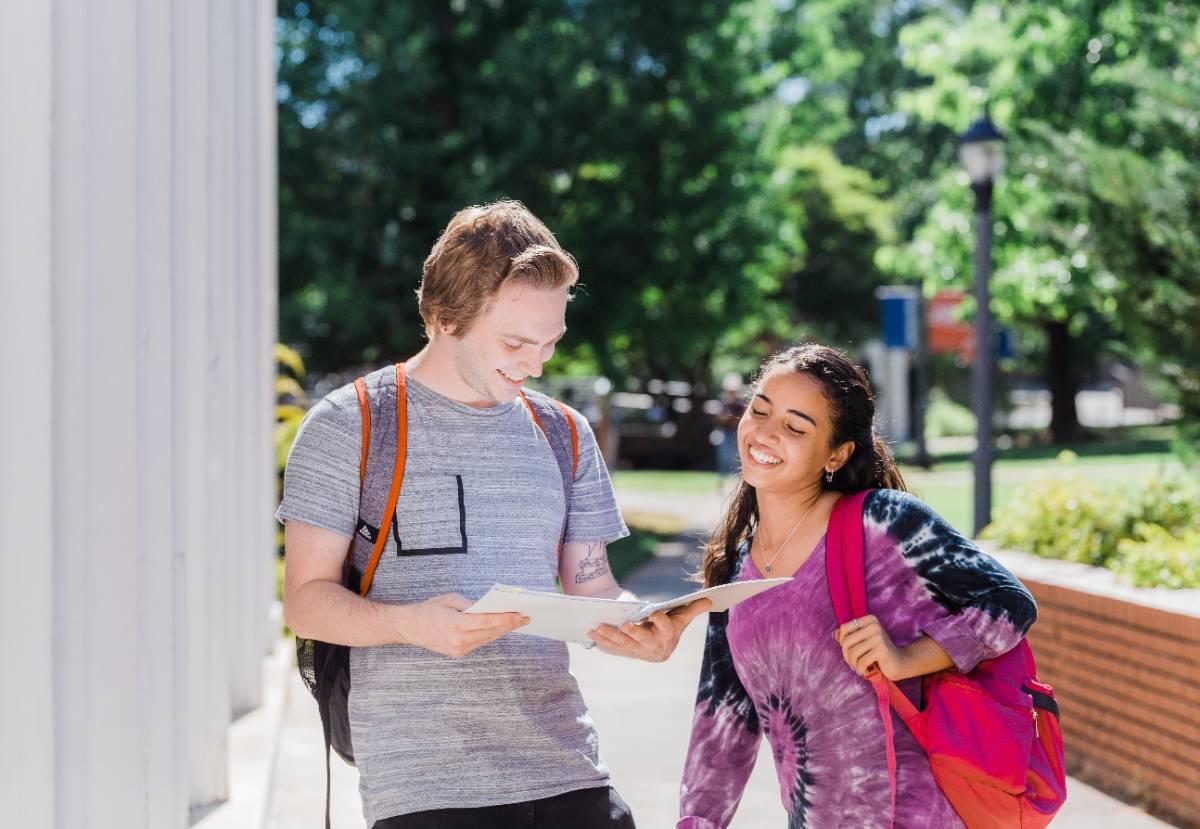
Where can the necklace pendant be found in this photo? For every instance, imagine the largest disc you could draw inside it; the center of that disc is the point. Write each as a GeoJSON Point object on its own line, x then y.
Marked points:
{"type": "Point", "coordinates": [768, 569]}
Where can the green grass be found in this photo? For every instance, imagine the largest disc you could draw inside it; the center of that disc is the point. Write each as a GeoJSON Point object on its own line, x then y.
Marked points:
{"type": "Point", "coordinates": [630, 553]}
{"type": "Point", "coordinates": [955, 502]}
{"type": "Point", "coordinates": [675, 482]}
{"type": "Point", "coordinates": [1031, 458]}
{"type": "Point", "coordinates": [948, 486]}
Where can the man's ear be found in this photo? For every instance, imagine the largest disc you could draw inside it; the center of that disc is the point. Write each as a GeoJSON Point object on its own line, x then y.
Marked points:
{"type": "Point", "coordinates": [435, 327]}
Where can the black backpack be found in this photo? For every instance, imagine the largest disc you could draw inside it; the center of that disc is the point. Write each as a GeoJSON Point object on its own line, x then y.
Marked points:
{"type": "Point", "coordinates": [325, 667]}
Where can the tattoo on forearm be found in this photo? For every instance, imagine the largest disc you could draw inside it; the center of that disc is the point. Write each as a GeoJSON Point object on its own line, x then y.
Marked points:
{"type": "Point", "coordinates": [594, 565]}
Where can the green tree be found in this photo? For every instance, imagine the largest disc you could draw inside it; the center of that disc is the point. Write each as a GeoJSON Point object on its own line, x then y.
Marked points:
{"type": "Point", "coordinates": [1140, 199]}
{"type": "Point", "coordinates": [840, 219]}
{"type": "Point", "coordinates": [1043, 69]}
{"type": "Point", "coordinates": [631, 129]}
{"type": "Point", "coordinates": [828, 82]}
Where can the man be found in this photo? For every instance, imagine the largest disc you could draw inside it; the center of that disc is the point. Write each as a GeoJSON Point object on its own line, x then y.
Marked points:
{"type": "Point", "coordinates": [453, 722]}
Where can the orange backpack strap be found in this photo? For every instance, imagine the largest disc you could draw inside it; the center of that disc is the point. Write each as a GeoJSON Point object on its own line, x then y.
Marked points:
{"type": "Point", "coordinates": [536, 417]}
{"type": "Point", "coordinates": [552, 439]}
{"type": "Point", "coordinates": [557, 437]}
{"type": "Point", "coordinates": [397, 478]}
{"type": "Point", "coordinates": [364, 406]}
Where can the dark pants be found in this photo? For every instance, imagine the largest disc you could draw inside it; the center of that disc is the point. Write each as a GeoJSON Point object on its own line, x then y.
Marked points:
{"type": "Point", "coordinates": [599, 808]}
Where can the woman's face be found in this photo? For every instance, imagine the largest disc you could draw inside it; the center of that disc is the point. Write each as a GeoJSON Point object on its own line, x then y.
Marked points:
{"type": "Point", "coordinates": [784, 437]}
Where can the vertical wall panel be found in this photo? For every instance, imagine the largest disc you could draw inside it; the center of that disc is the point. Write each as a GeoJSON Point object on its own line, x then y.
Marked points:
{"type": "Point", "coordinates": [103, 733]}
{"type": "Point", "coordinates": [218, 380]}
{"type": "Point", "coordinates": [268, 284]}
{"type": "Point", "coordinates": [137, 268]}
{"type": "Point", "coordinates": [158, 580]}
{"type": "Point", "coordinates": [246, 647]}
{"type": "Point", "coordinates": [203, 690]}
{"type": "Point", "coordinates": [267, 281]}
{"type": "Point", "coordinates": [27, 526]}
{"type": "Point", "coordinates": [68, 445]}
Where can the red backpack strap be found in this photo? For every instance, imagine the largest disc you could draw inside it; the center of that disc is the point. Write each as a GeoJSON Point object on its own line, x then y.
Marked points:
{"type": "Point", "coordinates": [845, 572]}
{"type": "Point", "coordinates": [397, 478]}
{"type": "Point", "coordinates": [364, 407]}
{"type": "Point", "coordinates": [847, 602]}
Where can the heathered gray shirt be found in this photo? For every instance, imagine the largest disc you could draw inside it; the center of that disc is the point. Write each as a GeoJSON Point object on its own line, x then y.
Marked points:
{"type": "Point", "coordinates": [507, 722]}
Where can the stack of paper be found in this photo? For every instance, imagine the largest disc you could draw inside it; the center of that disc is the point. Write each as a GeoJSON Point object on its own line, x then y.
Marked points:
{"type": "Point", "coordinates": [569, 618]}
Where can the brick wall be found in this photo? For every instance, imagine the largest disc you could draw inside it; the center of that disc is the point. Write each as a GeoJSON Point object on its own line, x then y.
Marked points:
{"type": "Point", "coordinates": [1127, 677]}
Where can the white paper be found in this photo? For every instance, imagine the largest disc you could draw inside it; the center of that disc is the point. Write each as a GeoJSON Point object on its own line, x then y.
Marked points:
{"type": "Point", "coordinates": [569, 618]}
{"type": "Point", "coordinates": [723, 596]}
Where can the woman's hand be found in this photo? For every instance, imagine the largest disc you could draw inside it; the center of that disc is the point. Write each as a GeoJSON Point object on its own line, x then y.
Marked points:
{"type": "Point", "coordinates": [654, 639]}
{"type": "Point", "coordinates": [866, 646]}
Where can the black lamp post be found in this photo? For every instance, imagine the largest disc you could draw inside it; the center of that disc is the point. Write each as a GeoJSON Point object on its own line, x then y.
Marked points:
{"type": "Point", "coordinates": [981, 150]}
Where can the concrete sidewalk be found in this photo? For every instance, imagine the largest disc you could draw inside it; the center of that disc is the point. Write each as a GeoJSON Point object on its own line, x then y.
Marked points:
{"type": "Point", "coordinates": [643, 714]}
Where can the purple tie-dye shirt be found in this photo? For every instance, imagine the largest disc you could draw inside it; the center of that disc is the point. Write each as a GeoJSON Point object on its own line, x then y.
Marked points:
{"type": "Point", "coordinates": [772, 668]}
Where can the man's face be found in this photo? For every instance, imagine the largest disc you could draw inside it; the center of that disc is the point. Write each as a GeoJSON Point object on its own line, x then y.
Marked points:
{"type": "Point", "coordinates": [511, 340]}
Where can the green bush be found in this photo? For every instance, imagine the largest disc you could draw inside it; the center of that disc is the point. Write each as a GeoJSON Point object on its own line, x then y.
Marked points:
{"type": "Point", "coordinates": [1065, 516]}
{"type": "Point", "coordinates": [1170, 500]}
{"type": "Point", "coordinates": [290, 407]}
{"type": "Point", "coordinates": [1149, 531]}
{"type": "Point", "coordinates": [1156, 558]}
{"type": "Point", "coordinates": [945, 418]}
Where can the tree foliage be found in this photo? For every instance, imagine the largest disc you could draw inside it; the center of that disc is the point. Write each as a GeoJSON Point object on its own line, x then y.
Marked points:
{"type": "Point", "coordinates": [1140, 200]}
{"type": "Point", "coordinates": [631, 130]}
{"type": "Point", "coordinates": [731, 175]}
{"type": "Point", "coordinates": [1044, 70]}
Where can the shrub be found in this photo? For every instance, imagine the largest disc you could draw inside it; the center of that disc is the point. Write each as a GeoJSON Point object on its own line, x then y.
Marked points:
{"type": "Point", "coordinates": [290, 406]}
{"type": "Point", "coordinates": [945, 418]}
{"type": "Point", "coordinates": [1170, 500]}
{"type": "Point", "coordinates": [1156, 558]}
{"type": "Point", "coordinates": [1061, 515]}
{"type": "Point", "coordinates": [1148, 532]}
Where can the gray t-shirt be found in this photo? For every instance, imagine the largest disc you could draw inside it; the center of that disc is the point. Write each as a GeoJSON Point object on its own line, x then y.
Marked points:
{"type": "Point", "coordinates": [481, 502]}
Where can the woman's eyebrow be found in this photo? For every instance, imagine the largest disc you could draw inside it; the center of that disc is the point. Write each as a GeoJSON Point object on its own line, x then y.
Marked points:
{"type": "Point", "coordinates": [790, 411]}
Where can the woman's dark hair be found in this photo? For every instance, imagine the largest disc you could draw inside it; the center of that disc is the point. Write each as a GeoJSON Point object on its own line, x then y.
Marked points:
{"type": "Point", "coordinates": [852, 409]}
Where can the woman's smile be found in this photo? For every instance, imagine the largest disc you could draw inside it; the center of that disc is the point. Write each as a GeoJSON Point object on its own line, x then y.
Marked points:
{"type": "Point", "coordinates": [761, 456]}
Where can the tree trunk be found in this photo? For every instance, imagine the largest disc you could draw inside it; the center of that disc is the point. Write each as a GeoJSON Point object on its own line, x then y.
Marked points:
{"type": "Point", "coordinates": [1063, 382]}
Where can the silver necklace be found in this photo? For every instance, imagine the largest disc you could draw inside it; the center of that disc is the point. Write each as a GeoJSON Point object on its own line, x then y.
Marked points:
{"type": "Point", "coordinates": [768, 567]}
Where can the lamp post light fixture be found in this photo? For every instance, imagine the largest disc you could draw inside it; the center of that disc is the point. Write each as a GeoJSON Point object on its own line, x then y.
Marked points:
{"type": "Point", "coordinates": [981, 150]}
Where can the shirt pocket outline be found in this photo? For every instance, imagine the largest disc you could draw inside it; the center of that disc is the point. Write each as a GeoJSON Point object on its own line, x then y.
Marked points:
{"type": "Point", "coordinates": [436, 551]}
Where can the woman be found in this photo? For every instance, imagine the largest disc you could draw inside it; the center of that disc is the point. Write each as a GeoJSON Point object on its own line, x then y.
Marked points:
{"type": "Point", "coordinates": [778, 666]}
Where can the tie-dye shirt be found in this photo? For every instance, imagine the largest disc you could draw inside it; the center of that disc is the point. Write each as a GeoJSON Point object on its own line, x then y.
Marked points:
{"type": "Point", "coordinates": [772, 668]}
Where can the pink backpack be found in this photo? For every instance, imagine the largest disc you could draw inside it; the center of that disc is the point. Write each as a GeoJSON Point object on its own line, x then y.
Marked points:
{"type": "Point", "coordinates": [992, 736]}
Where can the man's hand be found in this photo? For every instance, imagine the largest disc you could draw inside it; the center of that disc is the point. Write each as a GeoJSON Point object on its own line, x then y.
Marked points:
{"type": "Point", "coordinates": [654, 639]}
{"type": "Point", "coordinates": [439, 625]}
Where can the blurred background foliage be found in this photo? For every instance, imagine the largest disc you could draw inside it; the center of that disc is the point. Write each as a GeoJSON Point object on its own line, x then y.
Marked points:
{"type": "Point", "coordinates": [1148, 530]}
{"type": "Point", "coordinates": [733, 175]}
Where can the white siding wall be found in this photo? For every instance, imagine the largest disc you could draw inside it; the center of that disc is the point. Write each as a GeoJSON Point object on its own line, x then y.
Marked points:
{"type": "Point", "coordinates": [137, 313]}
